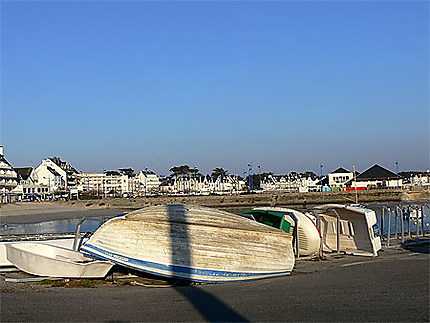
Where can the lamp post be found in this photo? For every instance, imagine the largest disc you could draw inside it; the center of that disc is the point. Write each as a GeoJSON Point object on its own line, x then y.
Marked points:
{"type": "Point", "coordinates": [250, 179]}
{"type": "Point", "coordinates": [195, 180]}
{"type": "Point", "coordinates": [183, 180]}
{"type": "Point", "coordinates": [259, 176]}
{"type": "Point", "coordinates": [397, 172]}
{"type": "Point", "coordinates": [321, 169]}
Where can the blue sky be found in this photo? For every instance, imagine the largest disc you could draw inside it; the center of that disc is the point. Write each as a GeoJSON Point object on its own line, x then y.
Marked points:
{"type": "Point", "coordinates": [287, 85]}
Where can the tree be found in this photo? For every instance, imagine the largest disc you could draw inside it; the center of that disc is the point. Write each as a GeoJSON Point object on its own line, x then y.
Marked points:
{"type": "Point", "coordinates": [216, 172]}
{"type": "Point", "coordinates": [179, 170]}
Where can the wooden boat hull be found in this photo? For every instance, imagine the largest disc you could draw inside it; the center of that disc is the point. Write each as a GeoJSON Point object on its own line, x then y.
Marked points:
{"type": "Point", "coordinates": [193, 243]}
{"type": "Point", "coordinates": [51, 261]}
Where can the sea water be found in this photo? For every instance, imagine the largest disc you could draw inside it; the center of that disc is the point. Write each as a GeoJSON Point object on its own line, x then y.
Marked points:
{"type": "Point", "coordinates": [50, 227]}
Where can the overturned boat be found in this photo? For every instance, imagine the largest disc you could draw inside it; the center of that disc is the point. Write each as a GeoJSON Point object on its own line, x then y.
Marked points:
{"type": "Point", "coordinates": [193, 243]}
{"type": "Point", "coordinates": [307, 239]}
{"type": "Point", "coordinates": [350, 229]}
{"type": "Point", "coordinates": [42, 259]}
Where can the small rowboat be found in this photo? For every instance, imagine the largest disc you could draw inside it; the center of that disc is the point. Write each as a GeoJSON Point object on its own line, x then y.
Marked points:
{"type": "Point", "coordinates": [47, 260]}
{"type": "Point", "coordinates": [193, 243]}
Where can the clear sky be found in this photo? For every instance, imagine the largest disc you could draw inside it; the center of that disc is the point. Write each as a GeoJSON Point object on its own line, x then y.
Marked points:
{"type": "Point", "coordinates": [287, 85]}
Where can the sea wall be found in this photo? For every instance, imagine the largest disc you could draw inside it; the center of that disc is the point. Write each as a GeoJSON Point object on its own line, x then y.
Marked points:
{"type": "Point", "coordinates": [243, 202]}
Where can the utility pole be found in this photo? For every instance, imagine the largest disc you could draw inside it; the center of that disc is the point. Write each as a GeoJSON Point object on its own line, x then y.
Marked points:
{"type": "Point", "coordinates": [397, 172]}
{"type": "Point", "coordinates": [355, 184]}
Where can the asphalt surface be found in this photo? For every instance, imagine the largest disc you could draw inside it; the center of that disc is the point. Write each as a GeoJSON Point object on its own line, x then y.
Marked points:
{"type": "Point", "coordinates": [391, 287]}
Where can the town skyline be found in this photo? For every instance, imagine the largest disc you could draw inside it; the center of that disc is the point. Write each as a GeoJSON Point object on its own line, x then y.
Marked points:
{"type": "Point", "coordinates": [254, 168]}
{"type": "Point", "coordinates": [284, 85]}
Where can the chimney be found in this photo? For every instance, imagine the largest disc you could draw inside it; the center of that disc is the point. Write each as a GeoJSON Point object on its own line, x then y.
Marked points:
{"type": "Point", "coordinates": [1, 151]}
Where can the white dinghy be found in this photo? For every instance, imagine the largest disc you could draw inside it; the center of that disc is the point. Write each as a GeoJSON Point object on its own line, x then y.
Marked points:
{"type": "Point", "coordinates": [67, 243]}
{"type": "Point", "coordinates": [193, 243]}
{"type": "Point", "coordinates": [52, 261]}
{"type": "Point", "coordinates": [350, 229]}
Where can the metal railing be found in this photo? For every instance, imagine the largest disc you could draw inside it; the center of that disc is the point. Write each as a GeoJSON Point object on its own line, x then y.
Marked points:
{"type": "Point", "coordinates": [404, 220]}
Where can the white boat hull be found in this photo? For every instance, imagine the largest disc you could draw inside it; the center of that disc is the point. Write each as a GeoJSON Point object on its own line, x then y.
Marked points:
{"type": "Point", "coordinates": [66, 243]}
{"type": "Point", "coordinates": [193, 243]}
{"type": "Point", "coordinates": [51, 261]}
{"type": "Point", "coordinates": [356, 229]}
{"type": "Point", "coordinates": [308, 235]}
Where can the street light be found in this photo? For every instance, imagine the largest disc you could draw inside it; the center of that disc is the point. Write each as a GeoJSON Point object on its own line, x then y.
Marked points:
{"type": "Point", "coordinates": [259, 176]}
{"type": "Point", "coordinates": [321, 168]}
{"type": "Point", "coordinates": [397, 172]}
{"type": "Point", "coordinates": [195, 180]}
{"type": "Point", "coordinates": [250, 179]}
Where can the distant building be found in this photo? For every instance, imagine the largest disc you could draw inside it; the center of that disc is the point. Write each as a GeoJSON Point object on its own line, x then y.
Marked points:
{"type": "Point", "coordinates": [51, 175]}
{"type": "Point", "coordinates": [147, 182]}
{"type": "Point", "coordinates": [376, 177]}
{"type": "Point", "coordinates": [8, 180]}
{"type": "Point", "coordinates": [108, 183]}
{"type": "Point", "coordinates": [28, 186]}
{"type": "Point", "coordinates": [339, 177]}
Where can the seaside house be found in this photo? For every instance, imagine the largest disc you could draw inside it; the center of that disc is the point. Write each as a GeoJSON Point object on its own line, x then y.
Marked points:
{"type": "Point", "coordinates": [339, 177]}
{"type": "Point", "coordinates": [147, 182]}
{"type": "Point", "coordinates": [28, 186]}
{"type": "Point", "coordinates": [8, 180]}
{"type": "Point", "coordinates": [57, 175]}
{"type": "Point", "coordinates": [376, 177]}
{"type": "Point", "coordinates": [228, 184]}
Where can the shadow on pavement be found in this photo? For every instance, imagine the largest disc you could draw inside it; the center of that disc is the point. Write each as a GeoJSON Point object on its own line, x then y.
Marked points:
{"type": "Point", "coordinates": [420, 246]}
{"type": "Point", "coordinates": [209, 306]}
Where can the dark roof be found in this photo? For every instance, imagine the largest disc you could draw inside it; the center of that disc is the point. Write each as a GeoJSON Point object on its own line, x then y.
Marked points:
{"type": "Point", "coordinates": [340, 170]}
{"type": "Point", "coordinates": [24, 172]}
{"type": "Point", "coordinates": [376, 172]}
{"type": "Point", "coordinates": [53, 171]}
{"type": "Point", "coordinates": [64, 165]}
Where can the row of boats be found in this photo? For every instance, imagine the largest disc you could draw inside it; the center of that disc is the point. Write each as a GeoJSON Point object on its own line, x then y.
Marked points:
{"type": "Point", "coordinates": [202, 244]}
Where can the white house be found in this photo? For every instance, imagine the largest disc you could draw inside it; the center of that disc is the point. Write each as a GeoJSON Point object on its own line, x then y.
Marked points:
{"type": "Point", "coordinates": [28, 186]}
{"type": "Point", "coordinates": [8, 179]}
{"type": "Point", "coordinates": [339, 177]}
{"type": "Point", "coordinates": [147, 182]}
{"type": "Point", "coordinates": [376, 177]}
{"type": "Point", "coordinates": [56, 174]}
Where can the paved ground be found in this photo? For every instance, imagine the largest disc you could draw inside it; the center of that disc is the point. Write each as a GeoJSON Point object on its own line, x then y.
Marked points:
{"type": "Point", "coordinates": [391, 287]}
